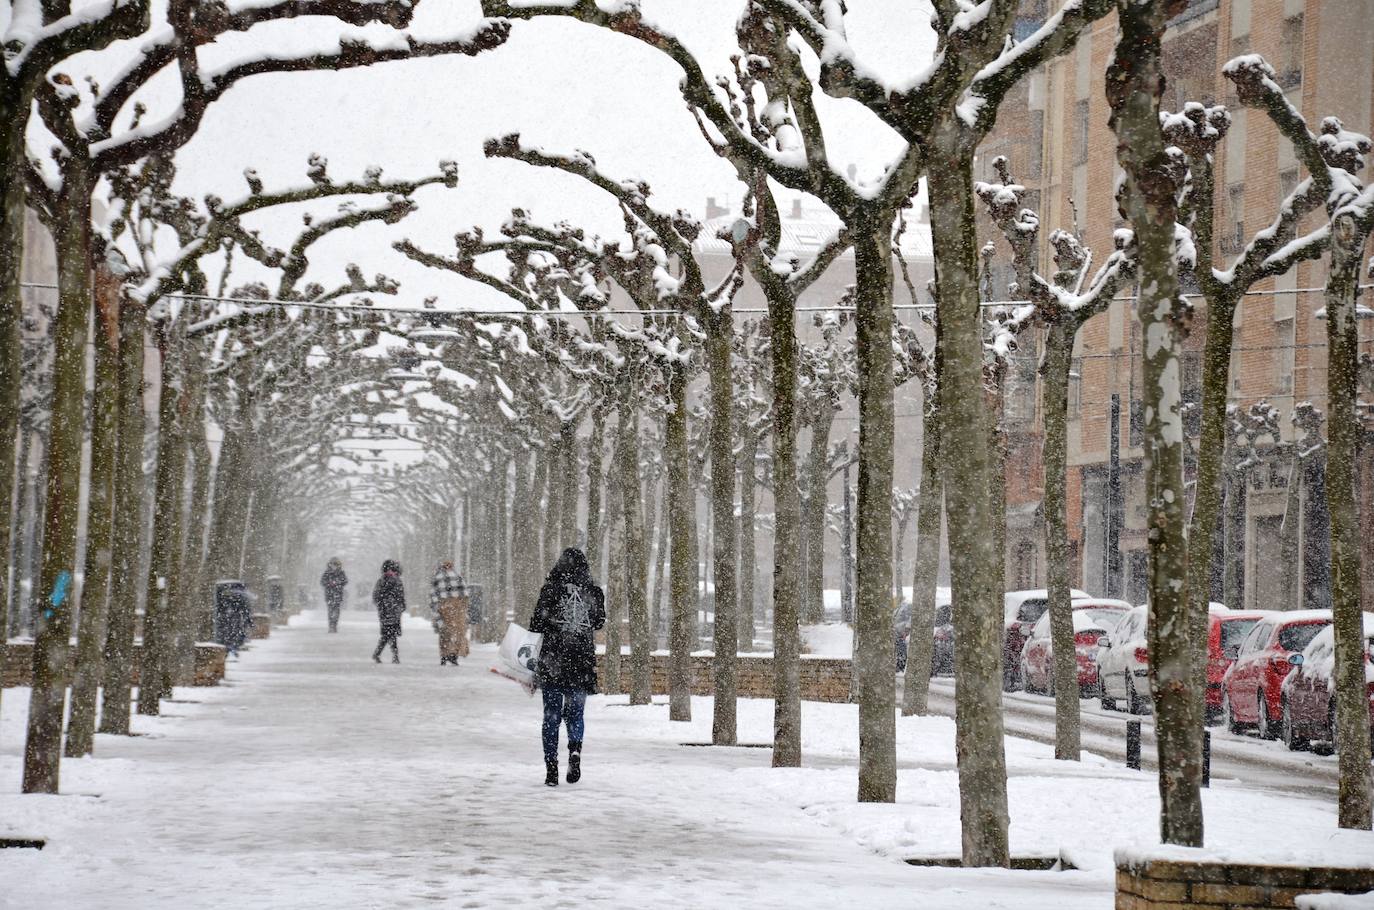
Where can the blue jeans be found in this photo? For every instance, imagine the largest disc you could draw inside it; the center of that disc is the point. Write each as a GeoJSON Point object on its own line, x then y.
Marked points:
{"type": "Point", "coordinates": [562, 705]}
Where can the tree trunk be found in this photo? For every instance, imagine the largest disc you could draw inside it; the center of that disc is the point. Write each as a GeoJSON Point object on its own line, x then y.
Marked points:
{"type": "Point", "coordinates": [553, 524]}
{"type": "Point", "coordinates": [719, 337]}
{"type": "Point", "coordinates": [17, 531]}
{"type": "Point", "coordinates": [159, 629]}
{"type": "Point", "coordinates": [570, 495]}
{"type": "Point", "coordinates": [1205, 521]}
{"type": "Point", "coordinates": [920, 649]}
{"type": "Point", "coordinates": [95, 588]}
{"type": "Point", "coordinates": [873, 607]}
{"type": "Point", "coordinates": [51, 647]}
{"type": "Point", "coordinates": [11, 317]}
{"type": "Point", "coordinates": [1055, 452]}
{"type": "Point", "coordinates": [525, 538]}
{"type": "Point", "coordinates": [748, 498]}
{"type": "Point", "coordinates": [596, 445]}
{"type": "Point", "coordinates": [817, 477]}
{"type": "Point", "coordinates": [660, 557]}
{"type": "Point", "coordinates": [1135, 82]}
{"type": "Point", "coordinates": [975, 565]}
{"type": "Point", "coordinates": [119, 633]}
{"type": "Point", "coordinates": [682, 516]}
{"type": "Point", "coordinates": [196, 606]}
{"type": "Point", "coordinates": [615, 584]}
{"type": "Point", "coordinates": [787, 520]}
{"type": "Point", "coordinates": [635, 560]}
{"type": "Point", "coordinates": [1343, 434]}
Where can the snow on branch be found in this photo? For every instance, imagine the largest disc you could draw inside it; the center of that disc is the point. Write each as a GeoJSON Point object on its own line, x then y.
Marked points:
{"type": "Point", "coordinates": [221, 222]}
{"type": "Point", "coordinates": [199, 89]}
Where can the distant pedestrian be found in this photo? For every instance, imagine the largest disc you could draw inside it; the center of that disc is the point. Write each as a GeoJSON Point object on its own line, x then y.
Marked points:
{"type": "Point", "coordinates": [334, 582]}
{"type": "Point", "coordinates": [449, 602]}
{"type": "Point", "coordinates": [389, 597]}
{"type": "Point", "coordinates": [233, 615]}
{"type": "Point", "coordinates": [570, 609]}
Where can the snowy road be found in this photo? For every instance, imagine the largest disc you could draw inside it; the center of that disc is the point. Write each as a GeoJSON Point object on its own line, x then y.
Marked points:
{"type": "Point", "coordinates": [317, 779]}
{"type": "Point", "coordinates": [1246, 759]}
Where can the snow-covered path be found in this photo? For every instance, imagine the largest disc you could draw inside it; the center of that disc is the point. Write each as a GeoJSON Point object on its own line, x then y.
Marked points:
{"type": "Point", "coordinates": [316, 778]}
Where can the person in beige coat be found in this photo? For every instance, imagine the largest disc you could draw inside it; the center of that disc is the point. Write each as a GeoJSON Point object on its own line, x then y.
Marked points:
{"type": "Point", "coordinates": [449, 603]}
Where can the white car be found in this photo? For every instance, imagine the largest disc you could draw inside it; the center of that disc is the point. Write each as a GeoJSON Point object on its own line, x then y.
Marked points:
{"type": "Point", "coordinates": [1123, 664]}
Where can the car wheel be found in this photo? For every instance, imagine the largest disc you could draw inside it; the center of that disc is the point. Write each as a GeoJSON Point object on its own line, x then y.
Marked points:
{"type": "Point", "coordinates": [1134, 703]}
{"type": "Point", "coordinates": [1232, 725]}
{"type": "Point", "coordinates": [1266, 728]}
{"type": "Point", "coordinates": [1108, 703]}
{"type": "Point", "coordinates": [1290, 738]}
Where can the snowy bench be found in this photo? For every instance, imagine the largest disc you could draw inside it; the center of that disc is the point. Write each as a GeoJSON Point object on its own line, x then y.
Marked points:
{"type": "Point", "coordinates": [207, 670]}
{"type": "Point", "coordinates": [1171, 877]}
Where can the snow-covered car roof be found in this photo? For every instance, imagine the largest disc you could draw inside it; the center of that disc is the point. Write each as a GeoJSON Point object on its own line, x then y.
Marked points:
{"type": "Point", "coordinates": [1319, 657]}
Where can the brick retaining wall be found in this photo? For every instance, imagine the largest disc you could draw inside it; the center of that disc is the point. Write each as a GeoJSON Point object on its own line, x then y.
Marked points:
{"type": "Point", "coordinates": [822, 678]}
{"type": "Point", "coordinates": [208, 670]}
{"type": "Point", "coordinates": [1159, 884]}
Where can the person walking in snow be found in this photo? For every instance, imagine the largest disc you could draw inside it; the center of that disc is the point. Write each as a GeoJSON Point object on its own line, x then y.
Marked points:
{"type": "Point", "coordinates": [449, 604]}
{"type": "Point", "coordinates": [389, 597]}
{"type": "Point", "coordinates": [570, 609]}
{"type": "Point", "coordinates": [334, 582]}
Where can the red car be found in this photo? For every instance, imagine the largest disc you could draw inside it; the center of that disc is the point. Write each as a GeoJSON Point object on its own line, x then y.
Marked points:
{"type": "Point", "coordinates": [1250, 695]}
{"type": "Point", "coordinates": [1021, 611]}
{"type": "Point", "coordinates": [1092, 619]}
{"type": "Point", "coordinates": [1226, 629]}
{"type": "Point", "coordinates": [1309, 705]}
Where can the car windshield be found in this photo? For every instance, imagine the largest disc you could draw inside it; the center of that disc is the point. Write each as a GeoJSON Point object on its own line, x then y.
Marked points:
{"type": "Point", "coordinates": [1032, 610]}
{"type": "Point", "coordinates": [1233, 632]}
{"type": "Point", "coordinates": [1105, 617]}
{"type": "Point", "coordinates": [944, 615]}
{"type": "Point", "coordinates": [1295, 638]}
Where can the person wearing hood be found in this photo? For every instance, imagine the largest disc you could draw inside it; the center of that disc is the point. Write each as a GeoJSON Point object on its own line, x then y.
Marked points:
{"type": "Point", "coordinates": [334, 582]}
{"type": "Point", "coordinates": [389, 597]}
{"type": "Point", "coordinates": [449, 603]}
{"type": "Point", "coordinates": [571, 608]}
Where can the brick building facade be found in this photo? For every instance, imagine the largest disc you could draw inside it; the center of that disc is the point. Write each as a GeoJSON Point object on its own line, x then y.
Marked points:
{"type": "Point", "coordinates": [1054, 132]}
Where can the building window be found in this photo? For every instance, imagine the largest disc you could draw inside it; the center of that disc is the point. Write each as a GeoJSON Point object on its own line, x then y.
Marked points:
{"type": "Point", "coordinates": [1288, 182]}
{"type": "Point", "coordinates": [1035, 152]}
{"type": "Point", "coordinates": [1283, 360]}
{"type": "Point", "coordinates": [1076, 387]}
{"type": "Point", "coordinates": [1290, 52]}
{"type": "Point", "coordinates": [1080, 112]}
{"type": "Point", "coordinates": [1233, 238]}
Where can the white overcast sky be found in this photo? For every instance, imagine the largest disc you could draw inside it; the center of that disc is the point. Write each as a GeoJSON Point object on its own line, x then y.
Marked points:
{"type": "Point", "coordinates": [561, 84]}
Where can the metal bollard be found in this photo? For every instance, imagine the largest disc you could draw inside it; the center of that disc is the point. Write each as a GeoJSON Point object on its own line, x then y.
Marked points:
{"type": "Point", "coordinates": [1207, 758]}
{"type": "Point", "coordinates": [1133, 745]}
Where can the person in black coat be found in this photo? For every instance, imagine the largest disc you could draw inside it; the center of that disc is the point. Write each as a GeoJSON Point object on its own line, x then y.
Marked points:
{"type": "Point", "coordinates": [389, 597]}
{"type": "Point", "coordinates": [571, 608]}
{"type": "Point", "coordinates": [334, 582]}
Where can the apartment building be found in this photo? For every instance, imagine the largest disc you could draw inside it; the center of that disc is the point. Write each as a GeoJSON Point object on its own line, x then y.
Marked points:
{"type": "Point", "coordinates": [1055, 134]}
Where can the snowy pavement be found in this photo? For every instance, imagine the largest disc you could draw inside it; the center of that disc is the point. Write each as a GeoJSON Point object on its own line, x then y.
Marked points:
{"type": "Point", "coordinates": [316, 779]}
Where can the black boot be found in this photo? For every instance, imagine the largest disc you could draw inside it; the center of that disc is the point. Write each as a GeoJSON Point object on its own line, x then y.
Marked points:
{"type": "Point", "coordinates": [551, 773]}
{"type": "Point", "coordinates": [574, 762]}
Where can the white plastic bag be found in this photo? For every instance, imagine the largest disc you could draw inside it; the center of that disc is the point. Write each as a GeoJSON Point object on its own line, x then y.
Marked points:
{"type": "Point", "coordinates": [518, 656]}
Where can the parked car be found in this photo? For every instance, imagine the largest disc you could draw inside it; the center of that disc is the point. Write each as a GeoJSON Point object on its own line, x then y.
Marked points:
{"type": "Point", "coordinates": [1123, 664]}
{"type": "Point", "coordinates": [1092, 619]}
{"type": "Point", "coordinates": [942, 660]}
{"type": "Point", "coordinates": [1307, 695]}
{"type": "Point", "coordinates": [1021, 611]}
{"type": "Point", "coordinates": [1250, 690]}
{"type": "Point", "coordinates": [1226, 629]}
